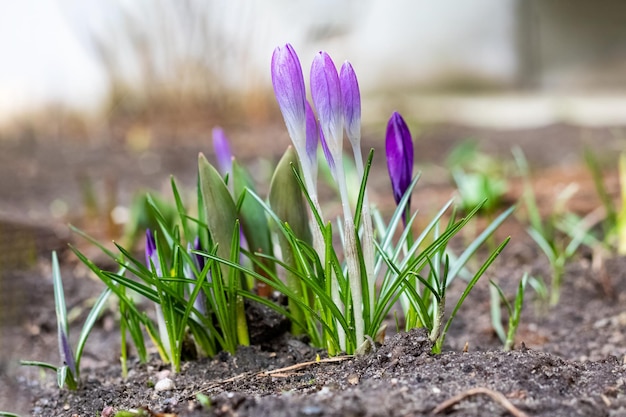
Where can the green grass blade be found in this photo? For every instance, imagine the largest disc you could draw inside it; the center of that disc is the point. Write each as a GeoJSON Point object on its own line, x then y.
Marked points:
{"type": "Point", "coordinates": [476, 243]}
{"type": "Point", "coordinates": [90, 321]}
{"type": "Point", "coordinates": [468, 288]}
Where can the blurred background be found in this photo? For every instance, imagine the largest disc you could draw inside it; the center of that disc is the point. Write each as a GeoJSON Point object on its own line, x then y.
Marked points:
{"type": "Point", "coordinates": [105, 58]}
{"type": "Point", "coordinates": [102, 99]}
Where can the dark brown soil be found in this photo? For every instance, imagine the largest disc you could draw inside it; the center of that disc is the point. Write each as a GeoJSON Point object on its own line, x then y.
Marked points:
{"type": "Point", "coordinates": [569, 360]}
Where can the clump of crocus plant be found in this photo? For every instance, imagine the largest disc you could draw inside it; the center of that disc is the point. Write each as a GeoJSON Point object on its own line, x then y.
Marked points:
{"type": "Point", "coordinates": [341, 277]}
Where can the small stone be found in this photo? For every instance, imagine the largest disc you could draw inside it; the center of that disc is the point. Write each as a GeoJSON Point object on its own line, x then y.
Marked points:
{"type": "Point", "coordinates": [163, 374]}
{"type": "Point", "coordinates": [107, 411]}
{"type": "Point", "coordinates": [165, 384]}
{"type": "Point", "coordinates": [353, 379]}
{"type": "Point", "coordinates": [311, 410]}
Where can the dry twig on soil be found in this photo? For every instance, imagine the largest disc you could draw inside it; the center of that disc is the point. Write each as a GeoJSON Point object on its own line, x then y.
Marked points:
{"type": "Point", "coordinates": [280, 372]}
{"type": "Point", "coordinates": [494, 395]}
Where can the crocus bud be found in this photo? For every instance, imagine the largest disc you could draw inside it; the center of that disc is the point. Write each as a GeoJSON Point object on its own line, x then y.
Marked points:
{"type": "Point", "coordinates": [290, 92]}
{"type": "Point", "coordinates": [222, 151]}
{"type": "Point", "coordinates": [351, 99]}
{"type": "Point", "coordinates": [326, 93]}
{"type": "Point", "coordinates": [199, 260]}
{"type": "Point", "coordinates": [399, 148]}
{"type": "Point", "coordinates": [63, 332]}
{"type": "Point", "coordinates": [151, 253]}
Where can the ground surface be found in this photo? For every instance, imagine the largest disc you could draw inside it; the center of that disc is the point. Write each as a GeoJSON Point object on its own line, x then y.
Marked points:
{"type": "Point", "coordinates": [571, 361]}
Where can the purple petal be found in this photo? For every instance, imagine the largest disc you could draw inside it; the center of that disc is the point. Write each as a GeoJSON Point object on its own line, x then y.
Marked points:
{"type": "Point", "coordinates": [222, 151]}
{"type": "Point", "coordinates": [67, 356]}
{"type": "Point", "coordinates": [351, 98]}
{"type": "Point", "coordinates": [399, 148]}
{"type": "Point", "coordinates": [326, 93]}
{"type": "Point", "coordinates": [311, 133]}
{"type": "Point", "coordinates": [199, 260]}
{"type": "Point", "coordinates": [152, 256]}
{"type": "Point", "coordinates": [327, 153]}
{"type": "Point", "coordinates": [289, 90]}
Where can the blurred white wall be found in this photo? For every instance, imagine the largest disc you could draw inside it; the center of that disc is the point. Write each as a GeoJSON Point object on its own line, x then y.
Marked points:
{"type": "Point", "coordinates": [44, 44]}
{"type": "Point", "coordinates": [47, 50]}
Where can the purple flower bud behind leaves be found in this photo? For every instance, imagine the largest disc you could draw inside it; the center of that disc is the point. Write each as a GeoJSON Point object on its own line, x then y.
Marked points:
{"type": "Point", "coordinates": [151, 253]}
{"type": "Point", "coordinates": [198, 259]}
{"type": "Point", "coordinates": [67, 356]}
{"type": "Point", "coordinates": [222, 151]}
{"type": "Point", "coordinates": [326, 93]}
{"type": "Point", "coordinates": [289, 90]}
{"type": "Point", "coordinates": [399, 149]}
{"type": "Point", "coordinates": [351, 99]}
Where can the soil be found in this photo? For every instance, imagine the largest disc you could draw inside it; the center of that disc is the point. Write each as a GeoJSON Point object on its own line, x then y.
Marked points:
{"type": "Point", "coordinates": [569, 360]}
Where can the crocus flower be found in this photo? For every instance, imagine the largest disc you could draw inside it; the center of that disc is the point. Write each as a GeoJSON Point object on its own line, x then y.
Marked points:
{"type": "Point", "coordinates": [222, 151]}
{"type": "Point", "coordinates": [399, 148]}
{"type": "Point", "coordinates": [351, 100]}
{"type": "Point", "coordinates": [326, 93]}
{"type": "Point", "coordinates": [290, 92]}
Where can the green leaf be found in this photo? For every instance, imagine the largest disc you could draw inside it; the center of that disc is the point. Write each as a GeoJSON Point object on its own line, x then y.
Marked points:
{"type": "Point", "coordinates": [287, 202]}
{"type": "Point", "coordinates": [219, 208]}
{"type": "Point", "coordinates": [253, 219]}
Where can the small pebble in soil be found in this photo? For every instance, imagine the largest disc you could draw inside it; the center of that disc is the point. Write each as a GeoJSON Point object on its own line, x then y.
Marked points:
{"type": "Point", "coordinates": [311, 410]}
{"type": "Point", "coordinates": [165, 384]}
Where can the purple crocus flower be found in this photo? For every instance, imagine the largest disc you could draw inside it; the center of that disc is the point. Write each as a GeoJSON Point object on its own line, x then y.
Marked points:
{"type": "Point", "coordinates": [290, 92]}
{"type": "Point", "coordinates": [152, 257]}
{"type": "Point", "coordinates": [222, 151]}
{"type": "Point", "coordinates": [399, 148]}
{"type": "Point", "coordinates": [326, 93]}
{"type": "Point", "coordinates": [351, 99]}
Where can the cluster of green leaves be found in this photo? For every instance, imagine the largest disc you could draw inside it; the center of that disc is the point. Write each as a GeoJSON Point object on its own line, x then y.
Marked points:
{"type": "Point", "coordinates": [558, 235]}
{"type": "Point", "coordinates": [613, 218]}
{"type": "Point", "coordinates": [514, 311]}
{"type": "Point", "coordinates": [68, 372]}
{"type": "Point", "coordinates": [479, 177]}
{"type": "Point", "coordinates": [247, 242]}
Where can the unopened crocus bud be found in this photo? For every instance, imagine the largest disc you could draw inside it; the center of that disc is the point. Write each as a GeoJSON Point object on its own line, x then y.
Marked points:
{"type": "Point", "coordinates": [351, 100]}
{"type": "Point", "coordinates": [399, 148]}
{"type": "Point", "coordinates": [198, 259]}
{"type": "Point", "coordinates": [290, 92]}
{"type": "Point", "coordinates": [152, 256]}
{"type": "Point", "coordinates": [326, 93]}
{"type": "Point", "coordinates": [63, 332]}
{"type": "Point", "coordinates": [222, 151]}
